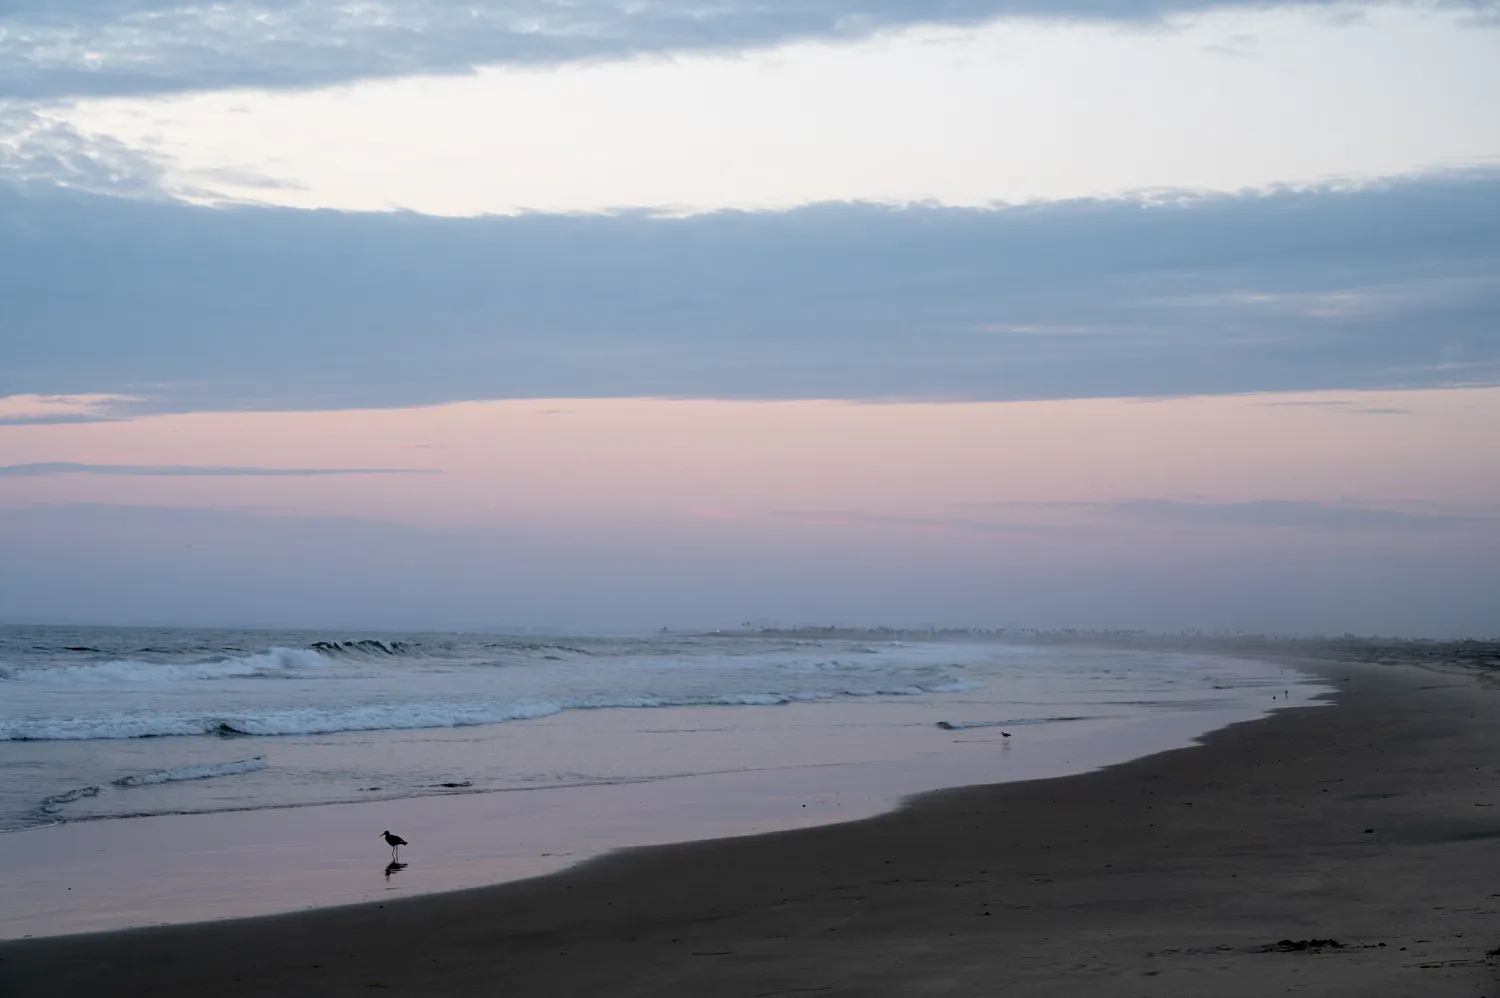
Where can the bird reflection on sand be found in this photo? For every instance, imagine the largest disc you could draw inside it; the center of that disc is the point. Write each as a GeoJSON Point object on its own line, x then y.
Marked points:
{"type": "Point", "coordinates": [393, 867]}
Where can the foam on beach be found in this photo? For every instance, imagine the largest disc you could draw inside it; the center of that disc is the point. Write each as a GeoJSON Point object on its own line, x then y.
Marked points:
{"type": "Point", "coordinates": [388, 716]}
{"type": "Point", "coordinates": [1013, 723]}
{"type": "Point", "coordinates": [50, 805]}
{"type": "Point", "coordinates": [193, 773]}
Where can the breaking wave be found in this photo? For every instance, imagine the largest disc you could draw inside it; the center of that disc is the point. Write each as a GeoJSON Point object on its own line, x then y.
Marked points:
{"type": "Point", "coordinates": [272, 662]}
{"type": "Point", "coordinates": [365, 647]}
{"type": "Point", "coordinates": [324, 720]}
{"type": "Point", "coordinates": [957, 686]}
{"type": "Point", "coordinates": [192, 773]}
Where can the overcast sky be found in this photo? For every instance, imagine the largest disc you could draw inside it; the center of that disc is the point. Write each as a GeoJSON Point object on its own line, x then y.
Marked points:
{"type": "Point", "coordinates": [611, 315]}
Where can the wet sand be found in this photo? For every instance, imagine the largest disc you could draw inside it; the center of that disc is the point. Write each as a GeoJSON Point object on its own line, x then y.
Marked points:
{"type": "Point", "coordinates": [95, 876]}
{"type": "Point", "coordinates": [1375, 823]}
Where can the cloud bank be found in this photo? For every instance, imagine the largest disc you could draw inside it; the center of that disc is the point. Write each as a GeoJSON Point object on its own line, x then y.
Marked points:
{"type": "Point", "coordinates": [1276, 514]}
{"type": "Point", "coordinates": [55, 48]}
{"type": "Point", "coordinates": [1069, 519]}
{"type": "Point", "coordinates": [31, 408]}
{"type": "Point", "coordinates": [1396, 285]}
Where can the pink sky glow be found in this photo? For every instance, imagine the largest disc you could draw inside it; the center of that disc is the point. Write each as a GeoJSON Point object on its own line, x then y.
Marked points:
{"type": "Point", "coordinates": [865, 510]}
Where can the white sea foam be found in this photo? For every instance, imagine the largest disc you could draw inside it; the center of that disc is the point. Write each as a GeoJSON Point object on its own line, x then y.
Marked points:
{"type": "Point", "coordinates": [105, 726]}
{"type": "Point", "coordinates": [63, 690]}
{"type": "Point", "coordinates": [286, 721]}
{"type": "Point", "coordinates": [755, 699]}
{"type": "Point", "coordinates": [273, 661]}
{"type": "Point", "coordinates": [51, 804]}
{"type": "Point", "coordinates": [193, 773]}
{"type": "Point", "coordinates": [382, 717]}
{"type": "Point", "coordinates": [1013, 723]}
{"type": "Point", "coordinates": [324, 720]}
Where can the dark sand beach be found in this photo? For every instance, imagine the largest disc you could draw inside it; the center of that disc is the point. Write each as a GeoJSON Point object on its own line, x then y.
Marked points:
{"type": "Point", "coordinates": [1374, 823]}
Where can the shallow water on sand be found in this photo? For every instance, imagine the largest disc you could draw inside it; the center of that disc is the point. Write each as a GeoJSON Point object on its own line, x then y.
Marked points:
{"type": "Point", "coordinates": [547, 791]}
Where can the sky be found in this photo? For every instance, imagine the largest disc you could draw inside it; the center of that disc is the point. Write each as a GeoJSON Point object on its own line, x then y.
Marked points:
{"type": "Point", "coordinates": [605, 316]}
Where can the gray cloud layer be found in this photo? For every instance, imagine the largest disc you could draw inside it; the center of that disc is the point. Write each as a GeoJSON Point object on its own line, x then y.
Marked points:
{"type": "Point", "coordinates": [51, 48]}
{"type": "Point", "coordinates": [1286, 514]}
{"type": "Point", "coordinates": [1391, 286]}
{"type": "Point", "coordinates": [1080, 518]}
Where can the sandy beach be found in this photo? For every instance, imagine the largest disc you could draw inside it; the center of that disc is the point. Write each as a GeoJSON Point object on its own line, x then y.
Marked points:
{"type": "Point", "coordinates": [1372, 823]}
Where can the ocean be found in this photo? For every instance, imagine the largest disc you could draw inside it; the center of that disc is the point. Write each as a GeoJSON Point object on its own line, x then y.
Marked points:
{"type": "Point", "coordinates": [560, 748]}
{"type": "Point", "coordinates": [114, 723]}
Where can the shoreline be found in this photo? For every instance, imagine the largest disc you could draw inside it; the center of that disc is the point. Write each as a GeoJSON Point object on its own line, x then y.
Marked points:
{"type": "Point", "coordinates": [1169, 874]}
{"type": "Point", "coordinates": [110, 874]}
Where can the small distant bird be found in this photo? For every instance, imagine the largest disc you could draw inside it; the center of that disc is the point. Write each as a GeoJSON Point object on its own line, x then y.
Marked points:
{"type": "Point", "coordinates": [395, 842]}
{"type": "Point", "coordinates": [1005, 734]}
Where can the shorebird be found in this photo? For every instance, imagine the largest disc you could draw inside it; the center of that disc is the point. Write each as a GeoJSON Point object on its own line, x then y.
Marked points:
{"type": "Point", "coordinates": [395, 842]}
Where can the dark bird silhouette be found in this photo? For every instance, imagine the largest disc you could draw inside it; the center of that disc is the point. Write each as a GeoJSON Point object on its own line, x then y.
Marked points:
{"type": "Point", "coordinates": [395, 842]}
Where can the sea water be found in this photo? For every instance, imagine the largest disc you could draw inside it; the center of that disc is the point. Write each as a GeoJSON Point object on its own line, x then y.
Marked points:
{"type": "Point", "coordinates": [114, 723]}
{"type": "Point", "coordinates": [151, 776]}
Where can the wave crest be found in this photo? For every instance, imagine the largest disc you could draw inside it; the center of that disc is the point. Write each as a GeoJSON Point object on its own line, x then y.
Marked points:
{"type": "Point", "coordinates": [362, 648]}
{"type": "Point", "coordinates": [271, 662]}
{"type": "Point", "coordinates": [385, 716]}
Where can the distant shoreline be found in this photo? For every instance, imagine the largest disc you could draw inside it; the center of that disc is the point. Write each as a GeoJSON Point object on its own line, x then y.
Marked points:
{"type": "Point", "coordinates": [1477, 653]}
